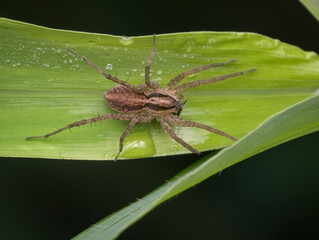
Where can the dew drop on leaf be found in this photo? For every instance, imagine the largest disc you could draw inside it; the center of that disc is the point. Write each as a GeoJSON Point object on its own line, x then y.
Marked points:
{"type": "Point", "coordinates": [109, 66]}
{"type": "Point", "coordinates": [126, 41]}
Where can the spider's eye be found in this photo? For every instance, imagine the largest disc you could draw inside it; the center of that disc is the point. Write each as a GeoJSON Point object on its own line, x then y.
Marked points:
{"type": "Point", "coordinates": [179, 107]}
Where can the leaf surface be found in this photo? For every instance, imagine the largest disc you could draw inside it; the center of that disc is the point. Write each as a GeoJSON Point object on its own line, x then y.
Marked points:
{"type": "Point", "coordinates": [43, 87]}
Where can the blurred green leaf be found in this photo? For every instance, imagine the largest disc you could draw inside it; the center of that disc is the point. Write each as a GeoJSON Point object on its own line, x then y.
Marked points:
{"type": "Point", "coordinates": [298, 120]}
{"type": "Point", "coordinates": [42, 87]}
{"type": "Point", "coordinates": [312, 6]}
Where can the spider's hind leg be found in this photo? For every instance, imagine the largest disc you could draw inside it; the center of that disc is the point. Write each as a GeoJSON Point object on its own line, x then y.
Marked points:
{"type": "Point", "coordinates": [117, 116]}
{"type": "Point", "coordinates": [105, 74]}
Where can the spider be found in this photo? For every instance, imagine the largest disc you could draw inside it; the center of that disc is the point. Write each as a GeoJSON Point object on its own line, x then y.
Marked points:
{"type": "Point", "coordinates": [147, 101]}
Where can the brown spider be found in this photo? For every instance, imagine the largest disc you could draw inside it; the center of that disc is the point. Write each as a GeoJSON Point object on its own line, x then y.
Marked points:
{"type": "Point", "coordinates": [148, 101]}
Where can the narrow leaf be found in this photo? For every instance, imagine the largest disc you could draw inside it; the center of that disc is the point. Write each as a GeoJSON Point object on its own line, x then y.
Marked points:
{"type": "Point", "coordinates": [312, 6]}
{"type": "Point", "coordinates": [296, 121]}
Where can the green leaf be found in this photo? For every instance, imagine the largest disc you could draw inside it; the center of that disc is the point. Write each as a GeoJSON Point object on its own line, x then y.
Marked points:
{"type": "Point", "coordinates": [312, 6]}
{"type": "Point", "coordinates": [298, 120]}
{"type": "Point", "coordinates": [43, 87]}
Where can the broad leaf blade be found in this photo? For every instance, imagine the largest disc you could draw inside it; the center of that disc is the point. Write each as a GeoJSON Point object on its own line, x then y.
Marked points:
{"type": "Point", "coordinates": [298, 120]}
{"type": "Point", "coordinates": [42, 88]}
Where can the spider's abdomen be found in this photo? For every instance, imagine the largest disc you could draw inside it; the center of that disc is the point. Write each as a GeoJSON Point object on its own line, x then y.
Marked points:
{"type": "Point", "coordinates": [123, 100]}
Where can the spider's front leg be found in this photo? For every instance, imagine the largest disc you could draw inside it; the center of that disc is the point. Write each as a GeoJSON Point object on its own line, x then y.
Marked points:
{"type": "Point", "coordinates": [197, 83]}
{"type": "Point", "coordinates": [183, 123]}
{"type": "Point", "coordinates": [148, 66]}
{"type": "Point", "coordinates": [172, 84]}
{"type": "Point", "coordinates": [171, 133]}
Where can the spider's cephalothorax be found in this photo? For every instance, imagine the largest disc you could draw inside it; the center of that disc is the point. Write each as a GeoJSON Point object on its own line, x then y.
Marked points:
{"type": "Point", "coordinates": [146, 102]}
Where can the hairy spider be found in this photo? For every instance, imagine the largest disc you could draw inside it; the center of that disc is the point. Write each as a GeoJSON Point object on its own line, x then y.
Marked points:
{"type": "Point", "coordinates": [148, 101]}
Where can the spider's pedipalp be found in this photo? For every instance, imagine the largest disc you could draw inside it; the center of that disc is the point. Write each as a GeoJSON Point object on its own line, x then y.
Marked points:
{"type": "Point", "coordinates": [155, 85]}
{"type": "Point", "coordinates": [171, 133]}
{"type": "Point", "coordinates": [116, 116]}
{"type": "Point", "coordinates": [197, 83]}
{"type": "Point", "coordinates": [105, 74]}
{"type": "Point", "coordinates": [172, 84]}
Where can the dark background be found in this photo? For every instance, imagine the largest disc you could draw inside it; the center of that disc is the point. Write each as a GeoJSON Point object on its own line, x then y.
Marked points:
{"type": "Point", "coordinates": [273, 195]}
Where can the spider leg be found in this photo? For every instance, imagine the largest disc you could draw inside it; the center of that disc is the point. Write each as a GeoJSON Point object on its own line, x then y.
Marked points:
{"type": "Point", "coordinates": [124, 134]}
{"type": "Point", "coordinates": [148, 65]}
{"type": "Point", "coordinates": [192, 84]}
{"type": "Point", "coordinates": [107, 75]}
{"type": "Point", "coordinates": [117, 116]}
{"type": "Point", "coordinates": [171, 133]}
{"type": "Point", "coordinates": [183, 123]}
{"type": "Point", "coordinates": [171, 85]}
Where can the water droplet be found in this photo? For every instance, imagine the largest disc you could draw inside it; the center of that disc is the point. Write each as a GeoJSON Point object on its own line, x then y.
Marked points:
{"type": "Point", "coordinates": [47, 65]}
{"type": "Point", "coordinates": [109, 66]}
{"type": "Point", "coordinates": [126, 41]}
{"type": "Point", "coordinates": [70, 61]}
{"type": "Point", "coordinates": [189, 45]}
{"type": "Point", "coordinates": [134, 69]}
{"type": "Point", "coordinates": [51, 79]}
{"type": "Point", "coordinates": [159, 72]}
{"type": "Point", "coordinates": [142, 74]}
